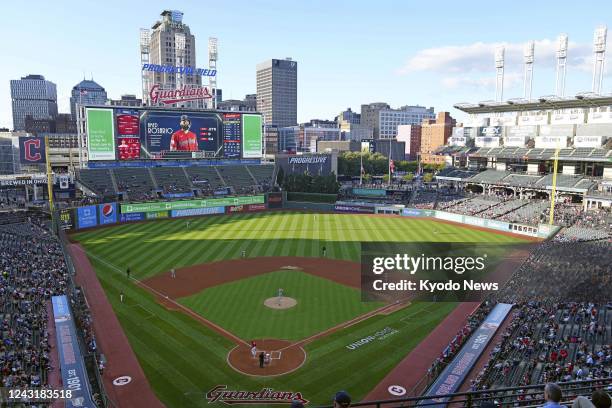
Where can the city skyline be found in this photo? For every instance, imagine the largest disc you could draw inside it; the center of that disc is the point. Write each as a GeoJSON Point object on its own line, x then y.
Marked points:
{"type": "Point", "coordinates": [405, 54]}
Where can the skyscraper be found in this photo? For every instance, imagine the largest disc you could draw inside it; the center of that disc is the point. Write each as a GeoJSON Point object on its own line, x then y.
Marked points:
{"type": "Point", "coordinates": [86, 92]}
{"type": "Point", "coordinates": [277, 91]}
{"type": "Point", "coordinates": [169, 43]}
{"type": "Point", "coordinates": [34, 96]}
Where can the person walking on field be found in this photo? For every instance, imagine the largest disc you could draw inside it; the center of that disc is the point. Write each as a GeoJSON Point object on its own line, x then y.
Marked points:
{"type": "Point", "coordinates": [172, 273]}
{"type": "Point", "coordinates": [121, 296]}
{"type": "Point", "coordinates": [261, 359]}
{"type": "Point", "coordinates": [127, 272]}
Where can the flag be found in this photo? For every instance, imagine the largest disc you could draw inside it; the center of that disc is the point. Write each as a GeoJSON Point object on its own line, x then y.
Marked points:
{"type": "Point", "coordinates": [392, 166]}
{"type": "Point", "coordinates": [362, 170]}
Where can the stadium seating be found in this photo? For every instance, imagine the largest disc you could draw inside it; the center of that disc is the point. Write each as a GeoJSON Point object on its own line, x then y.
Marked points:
{"type": "Point", "coordinates": [97, 180]}
{"type": "Point", "coordinates": [172, 179]}
{"type": "Point", "coordinates": [136, 182]}
{"type": "Point", "coordinates": [238, 177]}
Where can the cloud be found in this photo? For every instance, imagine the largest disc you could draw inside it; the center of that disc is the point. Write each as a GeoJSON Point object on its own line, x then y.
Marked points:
{"type": "Point", "coordinates": [479, 57]}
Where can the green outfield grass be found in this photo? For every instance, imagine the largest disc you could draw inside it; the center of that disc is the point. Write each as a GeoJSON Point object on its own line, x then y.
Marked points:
{"type": "Point", "coordinates": [239, 306]}
{"type": "Point", "coordinates": [183, 359]}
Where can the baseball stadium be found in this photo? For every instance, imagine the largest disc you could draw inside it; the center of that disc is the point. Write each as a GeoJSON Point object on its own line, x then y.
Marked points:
{"type": "Point", "coordinates": [193, 256]}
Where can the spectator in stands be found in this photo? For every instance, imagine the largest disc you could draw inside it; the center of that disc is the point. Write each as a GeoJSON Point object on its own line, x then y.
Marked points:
{"type": "Point", "coordinates": [342, 400]}
{"type": "Point", "coordinates": [552, 396]}
{"type": "Point", "coordinates": [599, 399]}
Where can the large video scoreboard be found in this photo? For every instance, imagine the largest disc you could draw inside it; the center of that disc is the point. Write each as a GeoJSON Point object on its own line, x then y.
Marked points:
{"type": "Point", "coordinates": [123, 134]}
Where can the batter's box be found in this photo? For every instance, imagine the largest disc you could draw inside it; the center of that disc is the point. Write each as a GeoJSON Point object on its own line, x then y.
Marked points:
{"type": "Point", "coordinates": [275, 355]}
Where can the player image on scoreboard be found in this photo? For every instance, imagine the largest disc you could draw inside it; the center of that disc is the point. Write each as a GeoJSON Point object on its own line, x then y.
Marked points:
{"type": "Point", "coordinates": [179, 134]}
{"type": "Point", "coordinates": [129, 148]}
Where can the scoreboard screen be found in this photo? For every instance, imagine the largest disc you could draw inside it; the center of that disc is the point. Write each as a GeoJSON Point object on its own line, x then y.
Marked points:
{"type": "Point", "coordinates": [141, 133]}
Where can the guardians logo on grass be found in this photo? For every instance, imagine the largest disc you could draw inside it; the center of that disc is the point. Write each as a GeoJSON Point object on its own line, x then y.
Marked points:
{"type": "Point", "coordinates": [265, 396]}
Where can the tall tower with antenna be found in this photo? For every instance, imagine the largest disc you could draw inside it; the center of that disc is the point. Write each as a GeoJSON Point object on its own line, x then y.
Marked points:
{"type": "Point", "coordinates": [599, 56]}
{"type": "Point", "coordinates": [212, 64]}
{"type": "Point", "coordinates": [561, 64]}
{"type": "Point", "coordinates": [528, 52]}
{"type": "Point", "coordinates": [500, 52]}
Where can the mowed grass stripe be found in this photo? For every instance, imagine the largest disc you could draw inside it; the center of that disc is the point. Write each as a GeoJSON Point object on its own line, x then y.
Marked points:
{"type": "Point", "coordinates": [330, 365]}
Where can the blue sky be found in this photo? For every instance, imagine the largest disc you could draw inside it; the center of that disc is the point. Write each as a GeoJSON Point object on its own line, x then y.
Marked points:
{"type": "Point", "coordinates": [348, 52]}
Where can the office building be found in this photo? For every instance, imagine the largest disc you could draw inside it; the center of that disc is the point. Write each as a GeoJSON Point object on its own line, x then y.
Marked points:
{"type": "Point", "coordinates": [248, 104]}
{"type": "Point", "coordinates": [411, 135]}
{"type": "Point", "coordinates": [277, 91]}
{"type": "Point", "coordinates": [126, 100]}
{"type": "Point", "coordinates": [370, 116]}
{"type": "Point", "coordinates": [391, 146]}
{"type": "Point", "coordinates": [169, 43]}
{"type": "Point", "coordinates": [9, 152]}
{"type": "Point", "coordinates": [434, 134]}
{"type": "Point", "coordinates": [384, 120]}
{"type": "Point", "coordinates": [33, 95]}
{"type": "Point", "coordinates": [86, 92]}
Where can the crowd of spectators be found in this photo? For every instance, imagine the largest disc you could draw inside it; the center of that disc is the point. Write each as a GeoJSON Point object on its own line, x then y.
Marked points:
{"type": "Point", "coordinates": [32, 270]}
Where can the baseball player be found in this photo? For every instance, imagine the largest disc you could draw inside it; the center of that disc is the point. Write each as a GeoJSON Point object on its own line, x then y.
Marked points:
{"type": "Point", "coordinates": [253, 351]}
{"type": "Point", "coordinates": [184, 139]}
{"type": "Point", "coordinates": [173, 273]}
{"type": "Point", "coordinates": [121, 296]}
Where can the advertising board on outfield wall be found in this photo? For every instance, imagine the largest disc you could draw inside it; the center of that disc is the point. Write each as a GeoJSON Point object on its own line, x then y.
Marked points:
{"type": "Point", "coordinates": [190, 204]}
{"type": "Point", "coordinates": [542, 231]}
{"type": "Point", "coordinates": [192, 212]}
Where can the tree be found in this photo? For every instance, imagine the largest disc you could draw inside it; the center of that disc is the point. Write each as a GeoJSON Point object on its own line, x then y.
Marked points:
{"type": "Point", "coordinates": [427, 177]}
{"type": "Point", "coordinates": [386, 178]}
{"type": "Point", "coordinates": [408, 177]}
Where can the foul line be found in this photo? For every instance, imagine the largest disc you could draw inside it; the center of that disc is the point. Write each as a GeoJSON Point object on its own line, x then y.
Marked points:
{"type": "Point", "coordinates": [186, 310]}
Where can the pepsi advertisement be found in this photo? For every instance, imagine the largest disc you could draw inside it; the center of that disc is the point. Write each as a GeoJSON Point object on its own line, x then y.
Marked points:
{"type": "Point", "coordinates": [180, 134]}
{"type": "Point", "coordinates": [87, 217]}
{"type": "Point", "coordinates": [107, 213]}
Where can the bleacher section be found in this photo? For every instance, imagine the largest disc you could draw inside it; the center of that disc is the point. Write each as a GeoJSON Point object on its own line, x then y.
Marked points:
{"type": "Point", "coordinates": [529, 214]}
{"type": "Point", "coordinates": [172, 179]}
{"type": "Point", "coordinates": [263, 174]}
{"type": "Point", "coordinates": [205, 178]}
{"type": "Point", "coordinates": [143, 183]}
{"type": "Point", "coordinates": [580, 153]}
{"type": "Point", "coordinates": [97, 180]}
{"type": "Point", "coordinates": [238, 177]}
{"type": "Point", "coordinates": [135, 181]}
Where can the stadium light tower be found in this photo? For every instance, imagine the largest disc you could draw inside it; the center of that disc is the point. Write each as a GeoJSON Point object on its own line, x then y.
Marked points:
{"type": "Point", "coordinates": [499, 72]}
{"type": "Point", "coordinates": [145, 40]}
{"type": "Point", "coordinates": [599, 56]}
{"type": "Point", "coordinates": [212, 64]}
{"type": "Point", "coordinates": [561, 64]}
{"type": "Point", "coordinates": [179, 56]}
{"type": "Point", "coordinates": [528, 53]}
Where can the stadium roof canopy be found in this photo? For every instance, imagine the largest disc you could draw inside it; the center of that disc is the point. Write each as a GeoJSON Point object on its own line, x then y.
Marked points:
{"type": "Point", "coordinates": [581, 100]}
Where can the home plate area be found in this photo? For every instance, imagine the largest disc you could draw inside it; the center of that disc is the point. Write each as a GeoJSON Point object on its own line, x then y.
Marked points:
{"type": "Point", "coordinates": [284, 357]}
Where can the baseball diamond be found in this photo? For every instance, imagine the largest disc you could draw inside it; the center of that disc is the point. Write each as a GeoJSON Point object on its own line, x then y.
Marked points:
{"type": "Point", "coordinates": [193, 330]}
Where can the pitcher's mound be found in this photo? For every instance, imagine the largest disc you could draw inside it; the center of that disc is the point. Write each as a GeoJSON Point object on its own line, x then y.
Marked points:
{"type": "Point", "coordinates": [282, 302]}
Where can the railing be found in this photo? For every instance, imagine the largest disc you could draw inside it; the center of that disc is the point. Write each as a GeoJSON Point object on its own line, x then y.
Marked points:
{"type": "Point", "coordinates": [501, 397]}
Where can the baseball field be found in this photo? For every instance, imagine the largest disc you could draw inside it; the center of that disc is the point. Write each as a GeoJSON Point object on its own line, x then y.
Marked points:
{"type": "Point", "coordinates": [191, 332]}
